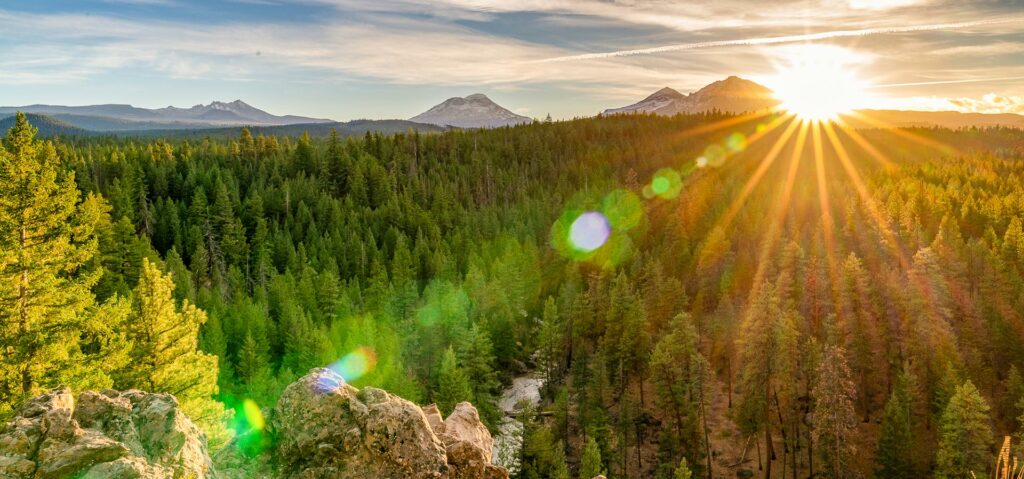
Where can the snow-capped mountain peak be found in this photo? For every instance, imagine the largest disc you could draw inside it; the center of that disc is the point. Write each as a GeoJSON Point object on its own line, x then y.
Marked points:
{"type": "Point", "coordinates": [732, 95]}
{"type": "Point", "coordinates": [473, 111]}
{"type": "Point", "coordinates": [657, 101]}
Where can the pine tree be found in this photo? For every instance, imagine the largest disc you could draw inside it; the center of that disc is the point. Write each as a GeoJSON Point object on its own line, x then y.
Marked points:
{"type": "Point", "coordinates": [559, 467]}
{"type": "Point", "coordinates": [590, 464]}
{"type": "Point", "coordinates": [165, 357]}
{"type": "Point", "coordinates": [550, 340]}
{"type": "Point", "coordinates": [251, 360]}
{"type": "Point", "coordinates": [893, 458]}
{"type": "Point", "coordinates": [683, 471]}
{"type": "Point", "coordinates": [768, 359]}
{"type": "Point", "coordinates": [453, 384]}
{"type": "Point", "coordinates": [834, 416]}
{"type": "Point", "coordinates": [678, 374]}
{"type": "Point", "coordinates": [964, 436]}
{"type": "Point", "coordinates": [477, 355]}
{"type": "Point", "coordinates": [46, 243]}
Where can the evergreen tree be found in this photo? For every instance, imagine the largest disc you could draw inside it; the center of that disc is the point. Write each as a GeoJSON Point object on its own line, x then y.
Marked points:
{"type": "Point", "coordinates": [453, 384]}
{"type": "Point", "coordinates": [46, 307]}
{"type": "Point", "coordinates": [893, 457]}
{"type": "Point", "coordinates": [834, 416]}
{"type": "Point", "coordinates": [165, 357]}
{"type": "Point", "coordinates": [683, 471]}
{"type": "Point", "coordinates": [678, 374]}
{"type": "Point", "coordinates": [550, 339]}
{"type": "Point", "coordinates": [559, 467]}
{"type": "Point", "coordinates": [478, 364]}
{"type": "Point", "coordinates": [590, 463]}
{"type": "Point", "coordinates": [964, 436]}
{"type": "Point", "coordinates": [768, 360]}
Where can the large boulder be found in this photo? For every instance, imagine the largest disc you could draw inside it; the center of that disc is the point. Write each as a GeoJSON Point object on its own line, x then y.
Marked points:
{"type": "Point", "coordinates": [434, 418]}
{"type": "Point", "coordinates": [129, 435]}
{"type": "Point", "coordinates": [468, 445]}
{"type": "Point", "coordinates": [329, 429]}
{"type": "Point", "coordinates": [464, 423]}
{"type": "Point", "coordinates": [326, 428]}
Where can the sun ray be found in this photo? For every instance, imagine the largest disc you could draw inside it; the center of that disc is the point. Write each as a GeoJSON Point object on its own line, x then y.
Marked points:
{"type": "Point", "coordinates": [826, 210]}
{"type": "Point", "coordinates": [865, 144]}
{"type": "Point", "coordinates": [858, 183]}
{"type": "Point", "coordinates": [891, 240]}
{"type": "Point", "coordinates": [878, 123]}
{"type": "Point", "coordinates": [723, 124]}
{"type": "Point", "coordinates": [762, 168]}
{"type": "Point", "coordinates": [782, 206]}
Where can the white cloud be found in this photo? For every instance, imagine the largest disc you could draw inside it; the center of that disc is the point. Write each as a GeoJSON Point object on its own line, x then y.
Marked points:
{"type": "Point", "coordinates": [386, 48]}
{"type": "Point", "coordinates": [990, 103]}
{"type": "Point", "coordinates": [882, 4]}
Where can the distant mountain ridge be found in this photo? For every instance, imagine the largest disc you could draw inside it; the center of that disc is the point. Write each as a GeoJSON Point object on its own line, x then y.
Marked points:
{"type": "Point", "coordinates": [731, 95]}
{"type": "Point", "coordinates": [116, 117]}
{"type": "Point", "coordinates": [738, 95]}
{"type": "Point", "coordinates": [473, 111]}
{"type": "Point", "coordinates": [46, 126]}
{"type": "Point", "coordinates": [50, 126]}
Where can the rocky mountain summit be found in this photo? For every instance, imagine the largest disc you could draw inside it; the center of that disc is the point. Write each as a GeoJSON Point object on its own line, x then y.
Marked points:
{"type": "Point", "coordinates": [322, 428]}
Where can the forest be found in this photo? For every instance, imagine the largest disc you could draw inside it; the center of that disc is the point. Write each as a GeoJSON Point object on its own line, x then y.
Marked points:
{"type": "Point", "coordinates": [706, 295]}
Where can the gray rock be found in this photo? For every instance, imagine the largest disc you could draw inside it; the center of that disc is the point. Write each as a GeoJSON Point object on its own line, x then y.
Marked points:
{"type": "Point", "coordinates": [327, 428]}
{"type": "Point", "coordinates": [131, 435]}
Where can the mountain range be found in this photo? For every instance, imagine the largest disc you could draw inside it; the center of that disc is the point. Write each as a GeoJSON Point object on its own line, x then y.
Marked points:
{"type": "Point", "coordinates": [473, 111]}
{"type": "Point", "coordinates": [129, 118]}
{"type": "Point", "coordinates": [731, 95]}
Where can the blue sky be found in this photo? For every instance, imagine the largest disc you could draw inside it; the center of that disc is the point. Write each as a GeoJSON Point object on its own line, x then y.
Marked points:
{"type": "Point", "coordinates": [346, 59]}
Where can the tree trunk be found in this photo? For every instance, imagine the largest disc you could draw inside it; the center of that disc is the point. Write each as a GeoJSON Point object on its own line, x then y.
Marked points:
{"type": "Point", "coordinates": [769, 451]}
{"type": "Point", "coordinates": [707, 440]}
{"type": "Point", "coordinates": [26, 372]}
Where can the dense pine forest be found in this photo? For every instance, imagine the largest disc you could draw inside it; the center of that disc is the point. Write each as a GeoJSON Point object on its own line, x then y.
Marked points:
{"type": "Point", "coordinates": [704, 295]}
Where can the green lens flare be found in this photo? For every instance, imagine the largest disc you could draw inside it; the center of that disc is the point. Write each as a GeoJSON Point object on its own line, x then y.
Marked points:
{"type": "Point", "coordinates": [736, 142]}
{"type": "Point", "coordinates": [622, 209]}
{"type": "Point", "coordinates": [253, 415]}
{"type": "Point", "coordinates": [666, 183]}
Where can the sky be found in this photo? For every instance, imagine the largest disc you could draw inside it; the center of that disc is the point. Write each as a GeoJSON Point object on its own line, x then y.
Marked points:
{"type": "Point", "coordinates": [350, 59]}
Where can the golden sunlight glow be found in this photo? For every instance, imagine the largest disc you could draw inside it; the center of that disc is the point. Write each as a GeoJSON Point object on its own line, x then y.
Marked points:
{"type": "Point", "coordinates": [818, 82]}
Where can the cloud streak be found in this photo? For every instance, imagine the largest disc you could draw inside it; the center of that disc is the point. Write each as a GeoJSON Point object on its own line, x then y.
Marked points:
{"type": "Point", "coordinates": [807, 37]}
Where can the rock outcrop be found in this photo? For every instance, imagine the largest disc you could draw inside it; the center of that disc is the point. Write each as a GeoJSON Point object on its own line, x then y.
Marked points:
{"type": "Point", "coordinates": [468, 444]}
{"type": "Point", "coordinates": [117, 435]}
{"type": "Point", "coordinates": [320, 428]}
{"type": "Point", "coordinates": [329, 429]}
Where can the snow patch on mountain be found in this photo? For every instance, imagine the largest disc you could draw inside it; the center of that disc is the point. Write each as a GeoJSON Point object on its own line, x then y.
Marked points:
{"type": "Point", "coordinates": [473, 111]}
{"type": "Point", "coordinates": [732, 95]}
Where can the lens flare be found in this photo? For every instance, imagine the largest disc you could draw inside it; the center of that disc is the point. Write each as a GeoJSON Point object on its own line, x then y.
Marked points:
{"type": "Point", "coordinates": [622, 209]}
{"type": "Point", "coordinates": [715, 155]}
{"type": "Point", "coordinates": [589, 232]}
{"type": "Point", "coordinates": [736, 142]}
{"type": "Point", "coordinates": [356, 364]}
{"type": "Point", "coordinates": [253, 415]}
{"type": "Point", "coordinates": [666, 183]}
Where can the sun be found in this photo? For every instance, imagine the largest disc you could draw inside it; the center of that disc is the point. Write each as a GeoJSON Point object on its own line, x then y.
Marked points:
{"type": "Point", "coordinates": [819, 82]}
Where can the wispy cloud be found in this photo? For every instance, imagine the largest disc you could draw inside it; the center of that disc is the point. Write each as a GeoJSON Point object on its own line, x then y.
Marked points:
{"type": "Point", "coordinates": [382, 48]}
{"type": "Point", "coordinates": [492, 44]}
{"type": "Point", "coordinates": [991, 103]}
{"type": "Point", "coordinates": [807, 37]}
